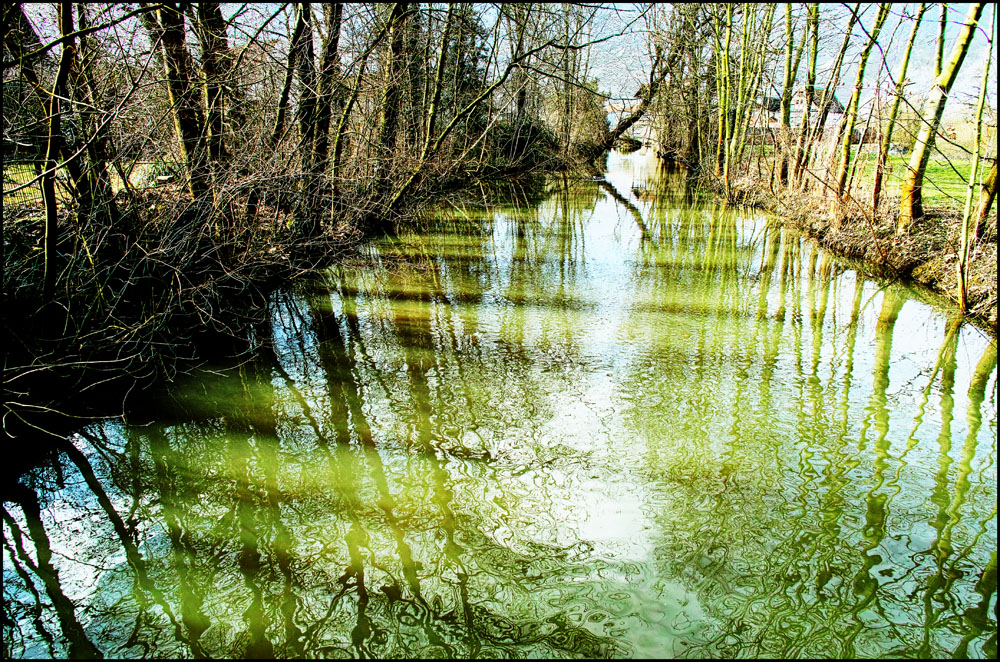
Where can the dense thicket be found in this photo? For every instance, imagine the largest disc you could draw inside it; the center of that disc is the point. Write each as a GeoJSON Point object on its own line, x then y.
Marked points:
{"type": "Point", "coordinates": [163, 161]}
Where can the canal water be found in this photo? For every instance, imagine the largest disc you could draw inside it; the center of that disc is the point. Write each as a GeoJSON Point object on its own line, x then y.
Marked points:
{"type": "Point", "coordinates": [597, 419]}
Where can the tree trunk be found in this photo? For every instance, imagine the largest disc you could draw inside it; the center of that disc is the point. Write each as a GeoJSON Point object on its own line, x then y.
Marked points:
{"type": "Point", "coordinates": [414, 78]}
{"type": "Point", "coordinates": [21, 40]}
{"type": "Point", "coordinates": [883, 153]}
{"type": "Point", "coordinates": [167, 28]}
{"type": "Point", "coordinates": [788, 82]}
{"type": "Point", "coordinates": [850, 119]}
{"type": "Point", "coordinates": [647, 94]}
{"type": "Point", "coordinates": [305, 66]}
{"type": "Point", "coordinates": [389, 105]}
{"type": "Point", "coordinates": [965, 247]}
{"type": "Point", "coordinates": [435, 101]}
{"type": "Point", "coordinates": [98, 141]}
{"type": "Point", "coordinates": [911, 204]}
{"type": "Point", "coordinates": [329, 93]}
{"type": "Point", "coordinates": [830, 90]}
{"type": "Point", "coordinates": [812, 23]}
{"type": "Point", "coordinates": [330, 84]}
{"type": "Point", "coordinates": [282, 110]}
{"type": "Point", "coordinates": [340, 136]}
{"type": "Point", "coordinates": [986, 195]}
{"type": "Point", "coordinates": [52, 150]}
{"type": "Point", "coordinates": [306, 221]}
{"type": "Point", "coordinates": [210, 28]}
{"type": "Point", "coordinates": [722, 85]}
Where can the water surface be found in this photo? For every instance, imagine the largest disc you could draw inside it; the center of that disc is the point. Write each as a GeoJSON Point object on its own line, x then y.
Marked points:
{"type": "Point", "coordinates": [582, 422]}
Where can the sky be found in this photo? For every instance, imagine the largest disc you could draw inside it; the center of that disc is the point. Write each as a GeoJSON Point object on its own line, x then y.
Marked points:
{"type": "Point", "coordinates": [621, 62]}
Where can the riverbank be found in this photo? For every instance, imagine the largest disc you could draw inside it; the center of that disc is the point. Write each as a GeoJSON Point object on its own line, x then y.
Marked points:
{"type": "Point", "coordinates": [150, 297]}
{"type": "Point", "coordinates": [926, 256]}
{"type": "Point", "coordinates": [138, 301]}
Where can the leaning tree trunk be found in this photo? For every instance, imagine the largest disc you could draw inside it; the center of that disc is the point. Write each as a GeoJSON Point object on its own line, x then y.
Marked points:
{"type": "Point", "coordinates": [911, 206]}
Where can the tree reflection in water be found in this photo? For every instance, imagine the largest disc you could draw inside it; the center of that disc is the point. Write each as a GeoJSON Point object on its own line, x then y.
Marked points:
{"type": "Point", "coordinates": [575, 422]}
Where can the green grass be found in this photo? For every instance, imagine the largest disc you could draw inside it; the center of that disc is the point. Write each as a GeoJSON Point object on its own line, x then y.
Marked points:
{"type": "Point", "coordinates": [941, 182]}
{"type": "Point", "coordinates": [943, 187]}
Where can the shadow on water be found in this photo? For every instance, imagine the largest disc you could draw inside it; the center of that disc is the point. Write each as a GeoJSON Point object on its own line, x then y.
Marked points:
{"type": "Point", "coordinates": [593, 419]}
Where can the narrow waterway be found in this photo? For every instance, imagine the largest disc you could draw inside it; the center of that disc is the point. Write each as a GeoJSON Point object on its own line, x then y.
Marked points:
{"type": "Point", "coordinates": [588, 421]}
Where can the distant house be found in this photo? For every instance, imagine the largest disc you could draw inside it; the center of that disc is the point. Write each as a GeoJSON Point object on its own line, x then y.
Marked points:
{"type": "Point", "coordinates": [834, 109]}
{"type": "Point", "coordinates": [766, 121]}
{"type": "Point", "coordinates": [767, 115]}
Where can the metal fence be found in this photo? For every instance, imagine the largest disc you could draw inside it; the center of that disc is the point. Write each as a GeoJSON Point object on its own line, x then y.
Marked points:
{"type": "Point", "coordinates": [15, 175]}
{"type": "Point", "coordinates": [23, 186]}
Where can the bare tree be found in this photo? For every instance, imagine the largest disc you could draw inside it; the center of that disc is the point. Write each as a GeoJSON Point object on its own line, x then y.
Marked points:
{"type": "Point", "coordinates": [911, 198]}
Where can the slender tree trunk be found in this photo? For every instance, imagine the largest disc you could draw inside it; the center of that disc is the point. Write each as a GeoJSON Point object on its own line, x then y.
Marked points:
{"type": "Point", "coordinates": [911, 203]}
{"type": "Point", "coordinates": [787, 85]}
{"type": "Point", "coordinates": [883, 152]}
{"type": "Point", "coordinates": [812, 23]}
{"type": "Point", "coordinates": [962, 267]}
{"type": "Point", "coordinates": [442, 56]}
{"type": "Point", "coordinates": [520, 14]}
{"type": "Point", "coordinates": [720, 91]}
{"type": "Point", "coordinates": [829, 91]}
{"type": "Point", "coordinates": [850, 119]}
{"type": "Point", "coordinates": [52, 150]}
{"type": "Point", "coordinates": [329, 95]}
{"type": "Point", "coordinates": [340, 136]}
{"type": "Point", "coordinates": [98, 141]}
{"type": "Point", "coordinates": [942, 27]}
{"type": "Point", "coordinates": [282, 110]}
{"type": "Point", "coordinates": [692, 156]}
{"type": "Point", "coordinates": [759, 54]}
{"type": "Point", "coordinates": [22, 40]}
{"type": "Point", "coordinates": [723, 94]}
{"type": "Point", "coordinates": [414, 78]}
